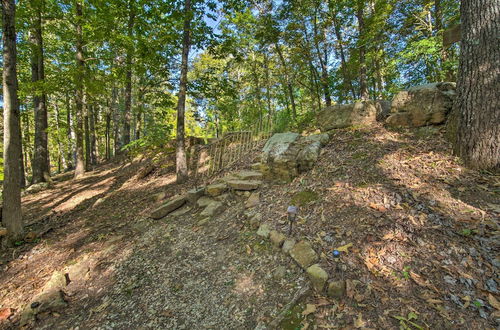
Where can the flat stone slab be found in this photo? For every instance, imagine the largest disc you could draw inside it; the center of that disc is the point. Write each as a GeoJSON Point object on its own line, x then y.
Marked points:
{"type": "Point", "coordinates": [303, 254]}
{"type": "Point", "coordinates": [318, 277]}
{"type": "Point", "coordinates": [249, 175]}
{"type": "Point", "coordinates": [216, 189]}
{"type": "Point", "coordinates": [277, 238]}
{"type": "Point", "coordinates": [168, 207]}
{"type": "Point", "coordinates": [244, 185]}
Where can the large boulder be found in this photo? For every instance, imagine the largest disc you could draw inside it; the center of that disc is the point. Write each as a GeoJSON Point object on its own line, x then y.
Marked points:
{"type": "Point", "coordinates": [422, 105]}
{"type": "Point", "coordinates": [285, 155]}
{"type": "Point", "coordinates": [345, 115]}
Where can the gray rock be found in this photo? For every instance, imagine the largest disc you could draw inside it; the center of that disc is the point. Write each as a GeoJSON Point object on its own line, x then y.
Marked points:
{"type": "Point", "coordinates": [279, 273]}
{"type": "Point", "coordinates": [491, 285]}
{"type": "Point", "coordinates": [450, 280]}
{"type": "Point", "coordinates": [255, 220]}
{"type": "Point", "coordinates": [264, 230]}
{"type": "Point", "coordinates": [422, 105]}
{"type": "Point", "coordinates": [168, 207]}
{"type": "Point", "coordinates": [322, 138]}
{"type": "Point", "coordinates": [37, 187]}
{"type": "Point", "coordinates": [216, 189]}
{"type": "Point", "coordinates": [303, 254]}
{"type": "Point", "coordinates": [277, 238]}
{"type": "Point", "coordinates": [308, 156]}
{"type": "Point", "coordinates": [244, 184]}
{"type": "Point", "coordinates": [212, 209]}
{"type": "Point", "coordinates": [336, 289]}
{"type": "Point", "coordinates": [204, 201]}
{"type": "Point", "coordinates": [249, 175]}
{"type": "Point", "coordinates": [288, 245]}
{"type": "Point", "coordinates": [194, 194]}
{"type": "Point", "coordinates": [253, 200]}
{"type": "Point", "coordinates": [342, 116]}
{"type": "Point", "coordinates": [317, 276]}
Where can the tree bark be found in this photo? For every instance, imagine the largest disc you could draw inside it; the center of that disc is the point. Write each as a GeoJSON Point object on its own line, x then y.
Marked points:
{"type": "Point", "coordinates": [128, 78]}
{"type": "Point", "coordinates": [478, 100]}
{"type": "Point", "coordinates": [181, 163]}
{"type": "Point", "coordinates": [86, 132]}
{"type": "Point", "coordinates": [363, 85]}
{"type": "Point", "coordinates": [92, 131]}
{"type": "Point", "coordinates": [11, 212]}
{"type": "Point", "coordinates": [41, 166]}
{"type": "Point", "coordinates": [346, 81]}
{"type": "Point", "coordinates": [288, 82]}
{"type": "Point", "coordinates": [80, 68]}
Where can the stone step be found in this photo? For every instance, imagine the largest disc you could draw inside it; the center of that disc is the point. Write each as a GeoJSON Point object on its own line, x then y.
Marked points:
{"type": "Point", "coordinates": [170, 206]}
{"type": "Point", "coordinates": [244, 184]}
{"type": "Point", "coordinates": [249, 175]}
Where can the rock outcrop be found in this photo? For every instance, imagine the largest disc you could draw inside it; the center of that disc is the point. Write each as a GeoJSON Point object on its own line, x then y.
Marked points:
{"type": "Point", "coordinates": [422, 105]}
{"type": "Point", "coordinates": [286, 155]}
{"type": "Point", "coordinates": [344, 115]}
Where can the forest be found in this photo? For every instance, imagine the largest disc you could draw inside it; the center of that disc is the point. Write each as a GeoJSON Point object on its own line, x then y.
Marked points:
{"type": "Point", "coordinates": [107, 93]}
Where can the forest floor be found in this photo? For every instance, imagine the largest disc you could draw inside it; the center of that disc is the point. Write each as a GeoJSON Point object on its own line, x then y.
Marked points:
{"type": "Point", "coordinates": [424, 234]}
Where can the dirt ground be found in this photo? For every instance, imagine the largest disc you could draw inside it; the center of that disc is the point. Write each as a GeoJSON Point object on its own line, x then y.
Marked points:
{"type": "Point", "coordinates": [424, 234]}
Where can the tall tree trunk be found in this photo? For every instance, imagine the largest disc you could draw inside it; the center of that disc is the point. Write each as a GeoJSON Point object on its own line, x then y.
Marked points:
{"type": "Point", "coordinates": [116, 120]}
{"type": "Point", "coordinates": [478, 104]}
{"type": "Point", "coordinates": [22, 178]}
{"type": "Point", "coordinates": [323, 63]}
{"type": "Point", "coordinates": [288, 82]}
{"type": "Point", "coordinates": [363, 84]}
{"type": "Point", "coordinates": [108, 136]}
{"type": "Point", "coordinates": [346, 80]}
{"type": "Point", "coordinates": [181, 163]}
{"type": "Point", "coordinates": [11, 213]}
{"type": "Point", "coordinates": [41, 167]}
{"type": "Point", "coordinates": [80, 68]}
{"type": "Point", "coordinates": [139, 121]}
{"type": "Point", "coordinates": [69, 135]}
{"type": "Point", "coordinates": [61, 157]}
{"type": "Point", "coordinates": [128, 78]}
{"type": "Point", "coordinates": [86, 109]}
{"type": "Point", "coordinates": [268, 90]}
{"type": "Point", "coordinates": [92, 131]}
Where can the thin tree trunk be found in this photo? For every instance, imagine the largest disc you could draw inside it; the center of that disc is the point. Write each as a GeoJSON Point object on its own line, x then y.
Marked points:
{"type": "Point", "coordinates": [92, 139]}
{"type": "Point", "coordinates": [323, 64]}
{"type": "Point", "coordinates": [181, 163]}
{"type": "Point", "coordinates": [343, 63]}
{"type": "Point", "coordinates": [288, 82]}
{"type": "Point", "coordinates": [11, 213]}
{"type": "Point", "coordinates": [128, 78]}
{"type": "Point", "coordinates": [61, 158]}
{"type": "Point", "coordinates": [478, 103]}
{"type": "Point", "coordinates": [108, 136]}
{"type": "Point", "coordinates": [69, 135]}
{"type": "Point", "coordinates": [86, 108]}
{"type": "Point", "coordinates": [363, 85]}
{"type": "Point", "coordinates": [80, 67]}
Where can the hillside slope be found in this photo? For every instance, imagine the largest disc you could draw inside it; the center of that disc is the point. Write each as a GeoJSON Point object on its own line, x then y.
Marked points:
{"type": "Point", "coordinates": [423, 229]}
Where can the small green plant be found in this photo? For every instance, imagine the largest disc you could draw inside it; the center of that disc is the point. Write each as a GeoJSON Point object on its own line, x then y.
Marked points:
{"type": "Point", "coordinates": [406, 323]}
{"type": "Point", "coordinates": [406, 272]}
{"type": "Point", "coordinates": [477, 304]}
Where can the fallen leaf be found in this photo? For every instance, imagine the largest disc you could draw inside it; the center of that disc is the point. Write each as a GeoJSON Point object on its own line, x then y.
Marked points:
{"type": "Point", "coordinates": [249, 250]}
{"type": "Point", "coordinates": [310, 308]}
{"type": "Point", "coordinates": [377, 207]}
{"type": "Point", "coordinates": [344, 248]}
{"type": "Point", "coordinates": [493, 301]}
{"type": "Point", "coordinates": [5, 313]}
{"type": "Point", "coordinates": [359, 322]}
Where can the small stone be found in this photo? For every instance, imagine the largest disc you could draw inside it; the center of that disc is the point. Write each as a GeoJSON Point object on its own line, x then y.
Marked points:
{"type": "Point", "coordinates": [491, 285]}
{"type": "Point", "coordinates": [318, 277]}
{"type": "Point", "coordinates": [3, 231]}
{"type": "Point", "coordinates": [168, 207]}
{"type": "Point", "coordinates": [204, 201]}
{"type": "Point", "coordinates": [279, 273]}
{"type": "Point", "coordinates": [249, 175]}
{"type": "Point", "coordinates": [216, 189]}
{"type": "Point", "coordinates": [202, 222]}
{"type": "Point", "coordinates": [336, 289]}
{"type": "Point", "coordinates": [303, 254]}
{"type": "Point", "coordinates": [5, 313]}
{"type": "Point", "coordinates": [181, 211]}
{"type": "Point", "coordinates": [264, 230]}
{"type": "Point", "coordinates": [194, 194]}
{"type": "Point", "coordinates": [255, 220]}
{"type": "Point", "coordinates": [156, 197]}
{"type": "Point", "coordinates": [212, 209]}
{"type": "Point", "coordinates": [288, 245]}
{"type": "Point", "coordinates": [450, 280]}
{"type": "Point", "coordinates": [277, 238]}
{"type": "Point", "coordinates": [253, 200]}
{"type": "Point", "coordinates": [244, 185]}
